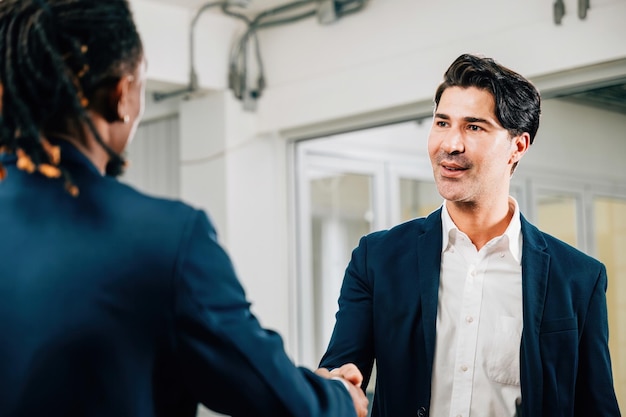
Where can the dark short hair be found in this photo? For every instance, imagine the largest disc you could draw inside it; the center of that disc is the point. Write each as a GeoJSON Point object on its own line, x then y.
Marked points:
{"type": "Point", "coordinates": [517, 101]}
{"type": "Point", "coordinates": [56, 56]}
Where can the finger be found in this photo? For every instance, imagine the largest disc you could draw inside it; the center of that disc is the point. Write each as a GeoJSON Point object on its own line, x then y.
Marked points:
{"type": "Point", "coordinates": [351, 373]}
{"type": "Point", "coordinates": [360, 401]}
{"type": "Point", "coordinates": [323, 372]}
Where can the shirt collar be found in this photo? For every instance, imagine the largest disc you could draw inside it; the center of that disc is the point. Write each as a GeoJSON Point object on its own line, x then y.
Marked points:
{"type": "Point", "coordinates": [513, 232]}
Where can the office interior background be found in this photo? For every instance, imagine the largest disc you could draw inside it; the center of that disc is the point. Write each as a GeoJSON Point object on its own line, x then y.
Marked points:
{"type": "Point", "coordinates": [313, 133]}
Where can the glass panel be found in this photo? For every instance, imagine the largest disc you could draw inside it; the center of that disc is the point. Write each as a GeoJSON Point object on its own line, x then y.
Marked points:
{"type": "Point", "coordinates": [557, 215]}
{"type": "Point", "coordinates": [610, 238]}
{"type": "Point", "coordinates": [341, 211]}
{"type": "Point", "coordinates": [417, 198]}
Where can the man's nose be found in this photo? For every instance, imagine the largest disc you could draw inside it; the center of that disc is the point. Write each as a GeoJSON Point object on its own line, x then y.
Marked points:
{"type": "Point", "coordinates": [452, 142]}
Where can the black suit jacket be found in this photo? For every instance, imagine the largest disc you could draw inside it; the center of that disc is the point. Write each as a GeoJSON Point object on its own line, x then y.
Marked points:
{"type": "Point", "coordinates": [388, 309]}
{"type": "Point", "coordinates": [119, 304]}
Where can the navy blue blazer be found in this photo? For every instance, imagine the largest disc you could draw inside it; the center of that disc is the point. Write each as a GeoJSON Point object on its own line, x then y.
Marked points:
{"type": "Point", "coordinates": [119, 304]}
{"type": "Point", "coordinates": [388, 309]}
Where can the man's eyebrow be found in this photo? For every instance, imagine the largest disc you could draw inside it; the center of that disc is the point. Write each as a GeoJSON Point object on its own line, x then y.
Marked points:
{"type": "Point", "coordinates": [470, 119]}
{"type": "Point", "coordinates": [467, 119]}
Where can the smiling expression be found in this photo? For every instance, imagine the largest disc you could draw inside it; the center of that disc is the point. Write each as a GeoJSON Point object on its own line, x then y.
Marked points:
{"type": "Point", "coordinates": [471, 153]}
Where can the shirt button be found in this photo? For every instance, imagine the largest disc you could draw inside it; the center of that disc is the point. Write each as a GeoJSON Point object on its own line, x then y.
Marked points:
{"type": "Point", "coordinates": [464, 368]}
{"type": "Point", "coordinates": [469, 319]}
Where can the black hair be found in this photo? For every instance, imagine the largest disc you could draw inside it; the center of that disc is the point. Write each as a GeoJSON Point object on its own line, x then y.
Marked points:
{"type": "Point", "coordinates": [56, 57]}
{"type": "Point", "coordinates": [518, 103]}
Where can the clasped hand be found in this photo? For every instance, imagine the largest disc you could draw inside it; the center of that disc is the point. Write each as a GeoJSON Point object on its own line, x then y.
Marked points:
{"type": "Point", "coordinates": [350, 374]}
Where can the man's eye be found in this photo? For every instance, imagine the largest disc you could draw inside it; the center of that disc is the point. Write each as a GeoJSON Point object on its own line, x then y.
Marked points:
{"type": "Point", "coordinates": [474, 128]}
{"type": "Point", "coordinates": [442, 124]}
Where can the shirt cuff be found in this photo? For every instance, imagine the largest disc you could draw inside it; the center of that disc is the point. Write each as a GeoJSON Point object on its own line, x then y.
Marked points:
{"type": "Point", "coordinates": [343, 381]}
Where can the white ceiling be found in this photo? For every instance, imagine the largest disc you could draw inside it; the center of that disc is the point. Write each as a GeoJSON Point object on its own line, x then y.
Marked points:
{"type": "Point", "coordinates": [254, 7]}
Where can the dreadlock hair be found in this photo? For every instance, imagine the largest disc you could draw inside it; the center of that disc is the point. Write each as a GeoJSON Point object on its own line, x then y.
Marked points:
{"type": "Point", "coordinates": [56, 57]}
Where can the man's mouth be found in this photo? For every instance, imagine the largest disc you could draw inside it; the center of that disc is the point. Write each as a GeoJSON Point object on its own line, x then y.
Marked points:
{"type": "Point", "coordinates": [453, 167]}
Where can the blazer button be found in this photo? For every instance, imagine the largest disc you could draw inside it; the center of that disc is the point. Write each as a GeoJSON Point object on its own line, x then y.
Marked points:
{"type": "Point", "coordinates": [421, 412]}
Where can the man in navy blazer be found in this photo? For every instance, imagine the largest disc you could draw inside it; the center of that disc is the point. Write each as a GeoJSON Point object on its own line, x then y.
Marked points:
{"type": "Point", "coordinates": [114, 303]}
{"type": "Point", "coordinates": [471, 309]}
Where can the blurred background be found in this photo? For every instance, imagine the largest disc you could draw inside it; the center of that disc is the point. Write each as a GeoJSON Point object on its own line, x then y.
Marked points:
{"type": "Point", "coordinates": [302, 125]}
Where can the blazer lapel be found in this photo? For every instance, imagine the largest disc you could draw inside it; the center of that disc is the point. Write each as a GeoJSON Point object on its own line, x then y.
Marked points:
{"type": "Point", "coordinates": [535, 267]}
{"type": "Point", "coordinates": [428, 270]}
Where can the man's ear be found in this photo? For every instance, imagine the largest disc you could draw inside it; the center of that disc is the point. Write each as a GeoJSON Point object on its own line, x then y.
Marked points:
{"type": "Point", "coordinates": [520, 145]}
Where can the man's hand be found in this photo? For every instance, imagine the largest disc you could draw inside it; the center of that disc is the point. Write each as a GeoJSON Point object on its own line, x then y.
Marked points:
{"type": "Point", "coordinates": [350, 374]}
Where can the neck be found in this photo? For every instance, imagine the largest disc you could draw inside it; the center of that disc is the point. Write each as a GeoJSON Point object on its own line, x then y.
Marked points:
{"type": "Point", "coordinates": [481, 223]}
{"type": "Point", "coordinates": [85, 141]}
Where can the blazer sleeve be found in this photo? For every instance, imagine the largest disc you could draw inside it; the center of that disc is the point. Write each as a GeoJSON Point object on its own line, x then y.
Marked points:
{"type": "Point", "coordinates": [230, 363]}
{"type": "Point", "coordinates": [595, 395]}
{"type": "Point", "coordinates": [352, 340]}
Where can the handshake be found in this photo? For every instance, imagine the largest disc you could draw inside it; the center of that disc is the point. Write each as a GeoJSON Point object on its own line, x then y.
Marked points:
{"type": "Point", "coordinates": [352, 378]}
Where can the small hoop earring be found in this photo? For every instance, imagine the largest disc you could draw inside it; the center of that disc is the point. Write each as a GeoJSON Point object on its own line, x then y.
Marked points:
{"type": "Point", "coordinates": [126, 118]}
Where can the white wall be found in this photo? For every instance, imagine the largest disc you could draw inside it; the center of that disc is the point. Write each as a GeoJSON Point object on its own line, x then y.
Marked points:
{"type": "Point", "coordinates": [165, 30]}
{"type": "Point", "coordinates": [394, 52]}
{"type": "Point", "coordinates": [389, 56]}
{"type": "Point", "coordinates": [578, 141]}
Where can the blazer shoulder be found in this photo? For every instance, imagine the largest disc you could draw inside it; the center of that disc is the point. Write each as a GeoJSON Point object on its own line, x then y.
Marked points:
{"type": "Point", "coordinates": [576, 258]}
{"type": "Point", "coordinates": [133, 199]}
{"type": "Point", "coordinates": [150, 215]}
{"type": "Point", "coordinates": [557, 248]}
{"type": "Point", "coordinates": [403, 232]}
{"type": "Point", "coordinates": [417, 225]}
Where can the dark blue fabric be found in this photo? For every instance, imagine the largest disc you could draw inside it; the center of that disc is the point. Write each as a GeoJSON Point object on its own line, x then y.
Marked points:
{"type": "Point", "coordinates": [388, 309]}
{"type": "Point", "coordinates": [119, 304]}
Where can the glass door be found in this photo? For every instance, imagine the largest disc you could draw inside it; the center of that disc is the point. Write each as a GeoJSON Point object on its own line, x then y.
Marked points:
{"type": "Point", "coordinates": [339, 201]}
{"type": "Point", "coordinates": [609, 234]}
{"type": "Point", "coordinates": [558, 214]}
{"type": "Point", "coordinates": [348, 185]}
{"type": "Point", "coordinates": [341, 212]}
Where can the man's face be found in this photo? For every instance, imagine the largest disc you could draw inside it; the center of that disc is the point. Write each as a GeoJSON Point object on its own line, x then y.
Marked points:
{"type": "Point", "coordinates": [470, 152]}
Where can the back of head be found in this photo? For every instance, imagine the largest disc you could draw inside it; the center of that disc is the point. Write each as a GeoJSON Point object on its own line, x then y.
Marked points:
{"type": "Point", "coordinates": [57, 57]}
{"type": "Point", "coordinates": [518, 103]}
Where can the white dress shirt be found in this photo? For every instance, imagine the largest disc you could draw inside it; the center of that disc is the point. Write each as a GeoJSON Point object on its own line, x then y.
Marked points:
{"type": "Point", "coordinates": [476, 369]}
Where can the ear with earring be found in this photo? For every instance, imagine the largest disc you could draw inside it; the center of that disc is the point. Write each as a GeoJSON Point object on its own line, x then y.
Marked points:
{"type": "Point", "coordinates": [125, 118]}
{"type": "Point", "coordinates": [122, 90]}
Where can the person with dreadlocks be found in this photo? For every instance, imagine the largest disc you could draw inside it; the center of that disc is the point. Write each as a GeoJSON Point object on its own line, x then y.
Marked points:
{"type": "Point", "coordinates": [113, 303]}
